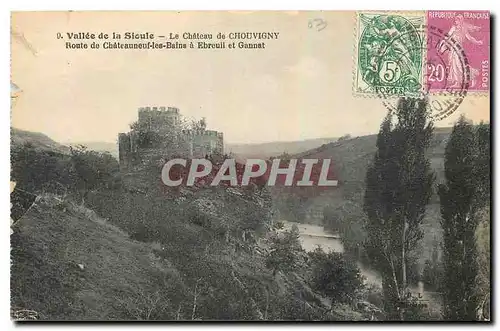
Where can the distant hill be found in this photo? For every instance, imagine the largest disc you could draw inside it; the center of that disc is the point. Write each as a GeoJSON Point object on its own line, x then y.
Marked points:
{"type": "Point", "coordinates": [43, 142]}
{"type": "Point", "coordinates": [350, 161]}
{"type": "Point", "coordinates": [242, 151]}
{"type": "Point", "coordinates": [275, 148]}
{"type": "Point", "coordinates": [100, 146]}
{"type": "Point", "coordinates": [351, 157]}
{"type": "Point", "coordinates": [36, 139]}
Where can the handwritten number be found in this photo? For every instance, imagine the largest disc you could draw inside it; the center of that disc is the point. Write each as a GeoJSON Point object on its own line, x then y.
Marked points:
{"type": "Point", "coordinates": [318, 23]}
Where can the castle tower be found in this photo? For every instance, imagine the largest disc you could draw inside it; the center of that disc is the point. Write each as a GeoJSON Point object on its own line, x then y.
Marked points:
{"type": "Point", "coordinates": [158, 119]}
{"type": "Point", "coordinates": [194, 144]}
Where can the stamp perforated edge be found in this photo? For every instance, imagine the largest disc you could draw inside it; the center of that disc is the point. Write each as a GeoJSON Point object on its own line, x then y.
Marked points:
{"type": "Point", "coordinates": [355, 45]}
{"type": "Point", "coordinates": [474, 93]}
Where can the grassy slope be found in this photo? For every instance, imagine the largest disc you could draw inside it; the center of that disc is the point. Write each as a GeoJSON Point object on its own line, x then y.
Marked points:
{"type": "Point", "coordinates": [119, 275]}
{"type": "Point", "coordinates": [352, 157]}
{"type": "Point", "coordinates": [38, 140]}
{"type": "Point", "coordinates": [122, 278]}
{"type": "Point", "coordinates": [225, 272]}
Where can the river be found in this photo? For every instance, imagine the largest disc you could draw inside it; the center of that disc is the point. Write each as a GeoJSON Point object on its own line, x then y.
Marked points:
{"type": "Point", "coordinates": [312, 236]}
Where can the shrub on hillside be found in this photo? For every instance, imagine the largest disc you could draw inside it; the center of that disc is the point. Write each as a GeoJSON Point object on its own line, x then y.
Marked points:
{"type": "Point", "coordinates": [345, 137]}
{"type": "Point", "coordinates": [284, 251]}
{"type": "Point", "coordinates": [39, 171]}
{"type": "Point", "coordinates": [93, 169]}
{"type": "Point", "coordinates": [347, 219]}
{"type": "Point", "coordinates": [335, 276]}
{"type": "Point", "coordinates": [33, 169]}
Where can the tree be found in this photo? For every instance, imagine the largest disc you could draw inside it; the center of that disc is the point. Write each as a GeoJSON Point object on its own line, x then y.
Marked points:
{"type": "Point", "coordinates": [347, 219]}
{"type": "Point", "coordinates": [335, 275]}
{"type": "Point", "coordinates": [483, 163]}
{"type": "Point", "coordinates": [199, 125]}
{"type": "Point", "coordinates": [462, 197]}
{"type": "Point", "coordinates": [345, 137]}
{"type": "Point", "coordinates": [32, 169]}
{"type": "Point", "coordinates": [398, 188]}
{"type": "Point", "coordinates": [92, 169]}
{"type": "Point", "coordinates": [483, 287]}
{"type": "Point", "coordinates": [284, 252]}
{"type": "Point", "coordinates": [284, 156]}
{"type": "Point", "coordinates": [432, 275]}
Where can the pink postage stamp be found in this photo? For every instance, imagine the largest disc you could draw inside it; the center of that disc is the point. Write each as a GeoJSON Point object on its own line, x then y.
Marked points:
{"type": "Point", "coordinates": [460, 59]}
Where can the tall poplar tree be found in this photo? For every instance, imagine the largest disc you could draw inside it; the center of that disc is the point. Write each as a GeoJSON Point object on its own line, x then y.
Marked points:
{"type": "Point", "coordinates": [398, 188]}
{"type": "Point", "coordinates": [463, 195]}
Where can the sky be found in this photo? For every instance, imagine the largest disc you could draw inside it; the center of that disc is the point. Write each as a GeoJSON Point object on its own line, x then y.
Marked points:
{"type": "Point", "coordinates": [299, 87]}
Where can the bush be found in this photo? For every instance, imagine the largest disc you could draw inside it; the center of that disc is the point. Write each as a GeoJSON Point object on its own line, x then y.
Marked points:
{"type": "Point", "coordinates": [39, 171]}
{"type": "Point", "coordinates": [347, 219]}
{"type": "Point", "coordinates": [284, 252]}
{"type": "Point", "coordinates": [32, 169]}
{"type": "Point", "coordinates": [93, 169]}
{"type": "Point", "coordinates": [345, 137]}
{"type": "Point", "coordinates": [335, 276]}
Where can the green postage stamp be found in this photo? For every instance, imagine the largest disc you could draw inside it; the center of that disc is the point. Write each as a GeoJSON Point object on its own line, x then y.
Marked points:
{"type": "Point", "coordinates": [389, 56]}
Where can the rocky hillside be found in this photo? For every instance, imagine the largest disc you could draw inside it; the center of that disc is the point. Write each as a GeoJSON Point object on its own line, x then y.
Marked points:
{"type": "Point", "coordinates": [138, 251]}
{"type": "Point", "coordinates": [71, 264]}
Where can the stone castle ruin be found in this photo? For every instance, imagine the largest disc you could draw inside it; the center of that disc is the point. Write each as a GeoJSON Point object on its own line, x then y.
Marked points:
{"type": "Point", "coordinates": [160, 131]}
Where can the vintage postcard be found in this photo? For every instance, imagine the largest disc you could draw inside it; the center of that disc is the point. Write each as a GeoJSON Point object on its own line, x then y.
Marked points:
{"type": "Point", "coordinates": [250, 166]}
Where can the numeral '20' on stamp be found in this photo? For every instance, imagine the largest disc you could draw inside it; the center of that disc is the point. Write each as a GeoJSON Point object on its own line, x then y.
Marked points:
{"type": "Point", "coordinates": [470, 30]}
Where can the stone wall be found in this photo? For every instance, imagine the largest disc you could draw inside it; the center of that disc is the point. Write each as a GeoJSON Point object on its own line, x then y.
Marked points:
{"type": "Point", "coordinates": [164, 121]}
{"type": "Point", "coordinates": [204, 142]}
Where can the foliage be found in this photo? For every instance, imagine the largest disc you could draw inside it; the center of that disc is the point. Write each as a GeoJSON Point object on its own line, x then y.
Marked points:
{"type": "Point", "coordinates": [278, 225]}
{"type": "Point", "coordinates": [332, 219]}
{"type": "Point", "coordinates": [291, 206]}
{"type": "Point", "coordinates": [345, 137]}
{"type": "Point", "coordinates": [483, 163]}
{"type": "Point", "coordinates": [31, 168]}
{"type": "Point", "coordinates": [285, 156]}
{"type": "Point", "coordinates": [348, 220]}
{"type": "Point", "coordinates": [93, 169]}
{"type": "Point", "coordinates": [83, 169]}
{"type": "Point", "coordinates": [190, 274]}
{"type": "Point", "coordinates": [148, 139]}
{"type": "Point", "coordinates": [199, 125]}
{"type": "Point", "coordinates": [462, 196]}
{"type": "Point", "coordinates": [284, 251]}
{"type": "Point", "coordinates": [398, 188]}
{"type": "Point", "coordinates": [433, 272]}
{"type": "Point", "coordinates": [335, 275]}
{"type": "Point", "coordinates": [483, 285]}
